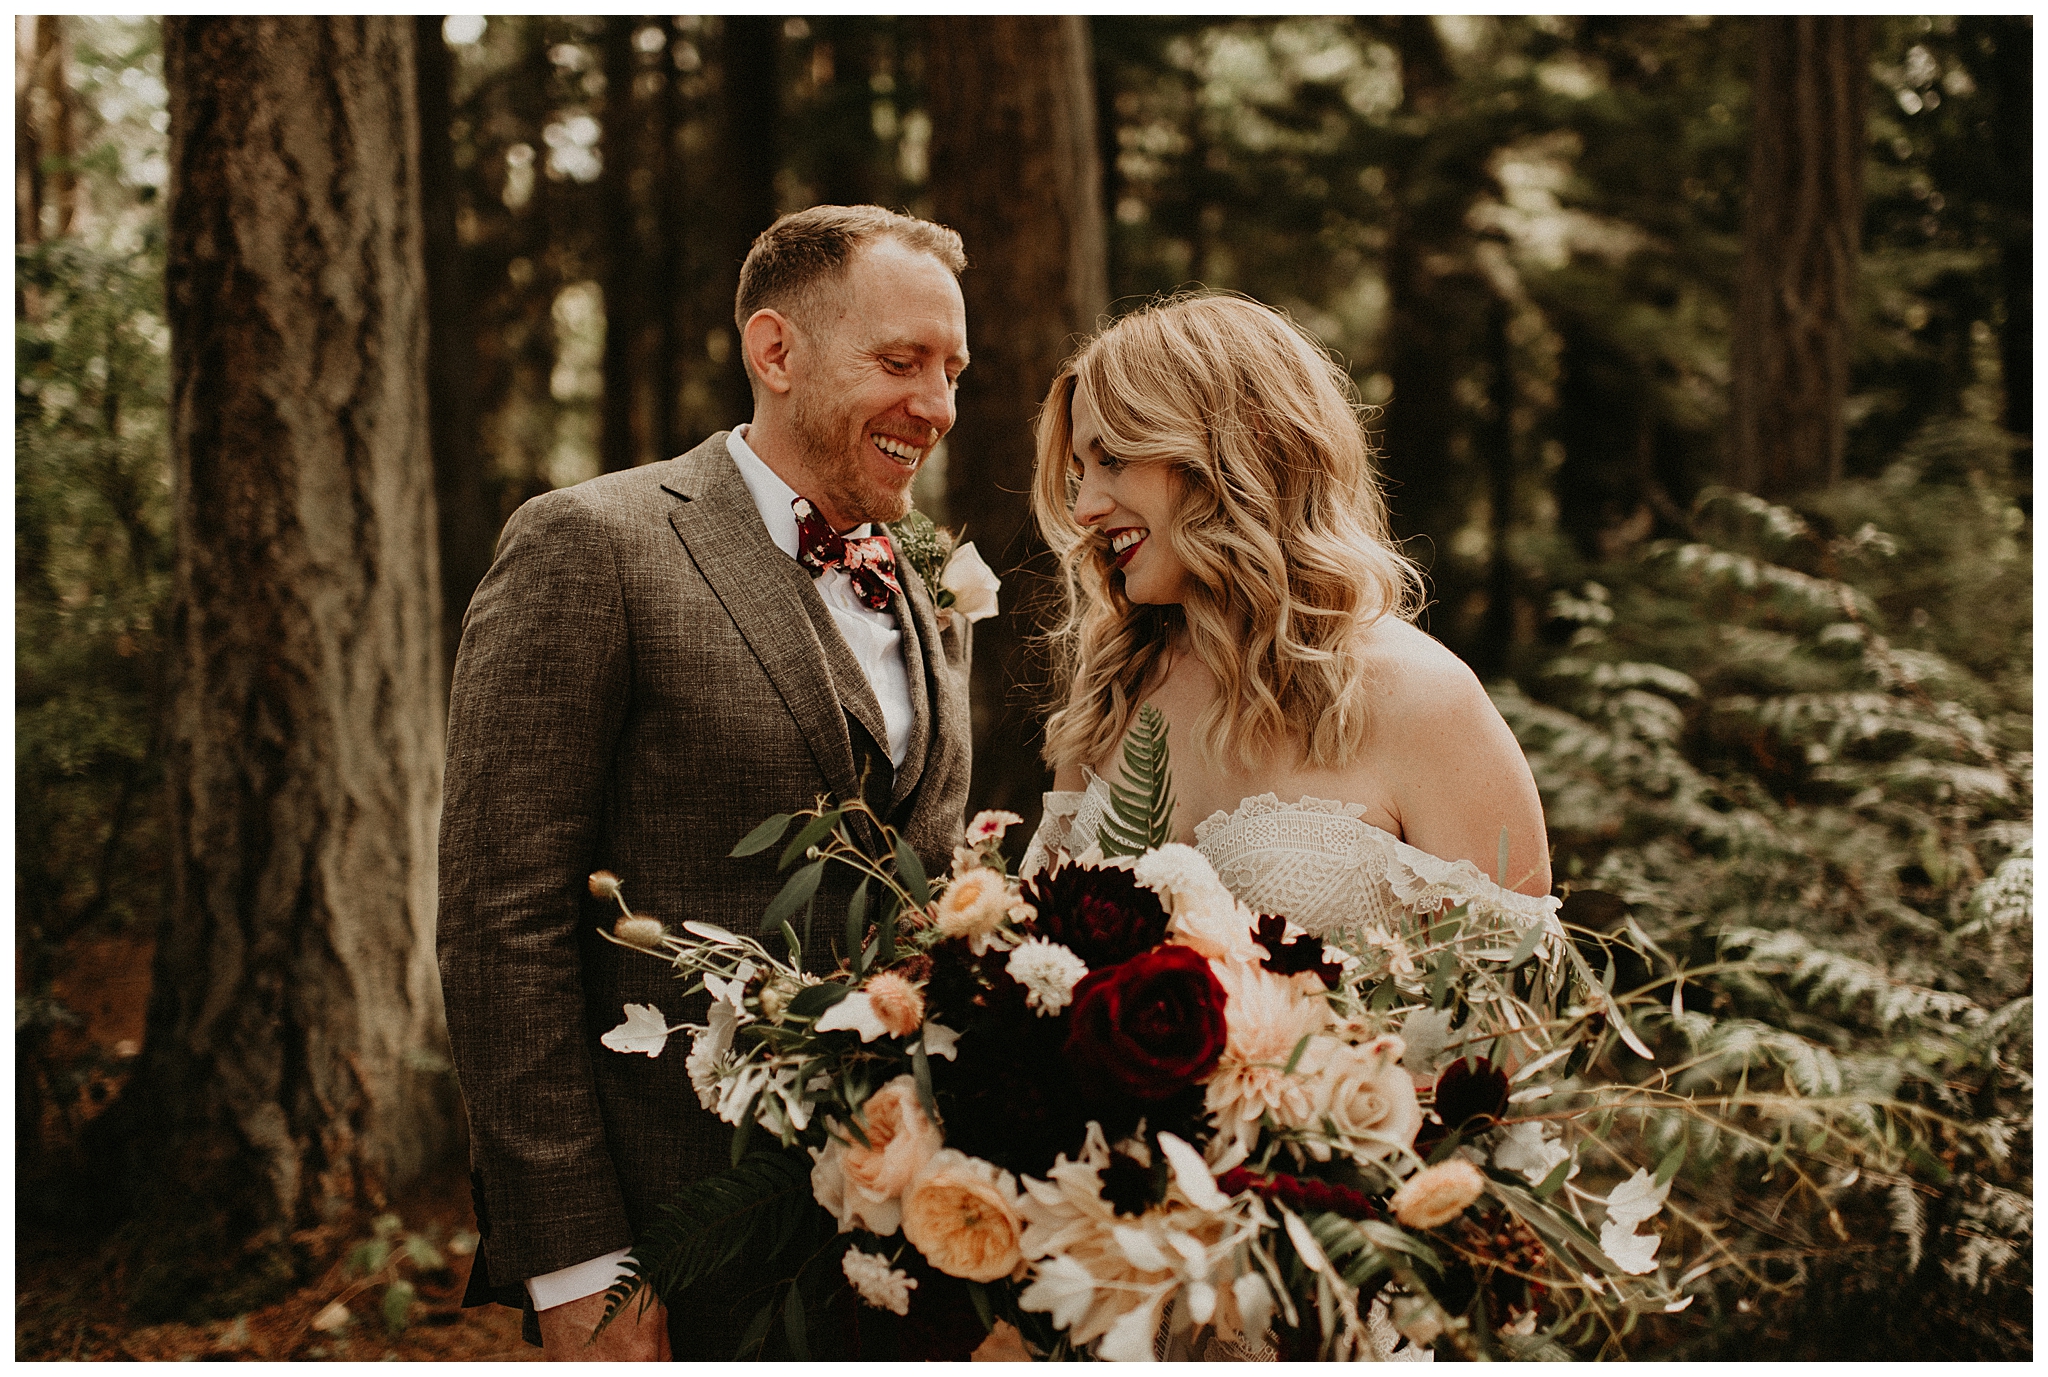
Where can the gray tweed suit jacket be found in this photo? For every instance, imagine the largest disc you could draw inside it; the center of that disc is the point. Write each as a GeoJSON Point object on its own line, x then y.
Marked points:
{"type": "Point", "coordinates": [643, 677]}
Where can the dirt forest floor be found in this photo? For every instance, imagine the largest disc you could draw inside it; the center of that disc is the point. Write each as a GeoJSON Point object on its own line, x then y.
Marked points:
{"type": "Point", "coordinates": [72, 1289]}
{"type": "Point", "coordinates": [70, 1304]}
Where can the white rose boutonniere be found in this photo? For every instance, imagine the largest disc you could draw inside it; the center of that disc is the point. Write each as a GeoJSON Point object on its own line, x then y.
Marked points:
{"type": "Point", "coordinates": [954, 574]}
{"type": "Point", "coordinates": [972, 583]}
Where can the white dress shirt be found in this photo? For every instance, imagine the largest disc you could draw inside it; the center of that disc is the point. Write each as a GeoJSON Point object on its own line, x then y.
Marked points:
{"type": "Point", "coordinates": [877, 643]}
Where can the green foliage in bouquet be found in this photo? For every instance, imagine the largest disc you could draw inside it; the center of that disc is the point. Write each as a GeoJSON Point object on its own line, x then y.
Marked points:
{"type": "Point", "coordinates": [1141, 802]}
{"type": "Point", "coordinates": [1493, 1240]}
{"type": "Point", "coordinates": [1787, 767]}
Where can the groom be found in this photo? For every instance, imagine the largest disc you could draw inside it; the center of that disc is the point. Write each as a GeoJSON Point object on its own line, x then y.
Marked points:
{"type": "Point", "coordinates": [658, 660]}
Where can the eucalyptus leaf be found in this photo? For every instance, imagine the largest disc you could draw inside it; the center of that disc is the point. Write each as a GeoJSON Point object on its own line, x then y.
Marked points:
{"type": "Point", "coordinates": [814, 832]}
{"type": "Point", "coordinates": [796, 892]}
{"type": "Point", "coordinates": [910, 870]}
{"type": "Point", "coordinates": [762, 837]}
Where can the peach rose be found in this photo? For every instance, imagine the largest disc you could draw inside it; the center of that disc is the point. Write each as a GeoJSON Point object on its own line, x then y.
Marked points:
{"type": "Point", "coordinates": [1365, 1092]}
{"type": "Point", "coordinates": [962, 1215]}
{"type": "Point", "coordinates": [1437, 1195]}
{"type": "Point", "coordinates": [863, 1186]}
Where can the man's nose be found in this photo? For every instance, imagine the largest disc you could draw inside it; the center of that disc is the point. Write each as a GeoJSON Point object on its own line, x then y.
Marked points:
{"type": "Point", "coordinates": [932, 402]}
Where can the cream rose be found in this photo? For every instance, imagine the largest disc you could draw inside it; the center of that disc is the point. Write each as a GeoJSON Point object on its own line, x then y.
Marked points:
{"type": "Point", "coordinates": [962, 1215]}
{"type": "Point", "coordinates": [863, 1186]}
{"type": "Point", "coordinates": [971, 582]}
{"type": "Point", "coordinates": [1366, 1093]}
{"type": "Point", "coordinates": [1437, 1195]}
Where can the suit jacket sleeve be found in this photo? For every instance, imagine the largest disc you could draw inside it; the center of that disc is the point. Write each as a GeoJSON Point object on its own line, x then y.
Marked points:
{"type": "Point", "coordinates": [540, 693]}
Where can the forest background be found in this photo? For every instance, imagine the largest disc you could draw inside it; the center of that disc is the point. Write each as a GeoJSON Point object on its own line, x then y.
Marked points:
{"type": "Point", "coordinates": [1700, 353]}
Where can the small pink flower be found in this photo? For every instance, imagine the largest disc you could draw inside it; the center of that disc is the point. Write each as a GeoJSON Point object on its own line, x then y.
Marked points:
{"type": "Point", "coordinates": [990, 825]}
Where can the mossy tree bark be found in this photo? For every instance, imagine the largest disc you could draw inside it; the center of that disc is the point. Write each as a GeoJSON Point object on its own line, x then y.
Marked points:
{"type": "Point", "coordinates": [1013, 125]}
{"type": "Point", "coordinates": [293, 1065]}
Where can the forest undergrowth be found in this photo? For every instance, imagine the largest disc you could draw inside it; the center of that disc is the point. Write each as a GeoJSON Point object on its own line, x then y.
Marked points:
{"type": "Point", "coordinates": [1786, 764]}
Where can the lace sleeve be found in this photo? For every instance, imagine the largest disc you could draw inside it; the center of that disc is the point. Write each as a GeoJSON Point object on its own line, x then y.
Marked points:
{"type": "Point", "coordinates": [1055, 828]}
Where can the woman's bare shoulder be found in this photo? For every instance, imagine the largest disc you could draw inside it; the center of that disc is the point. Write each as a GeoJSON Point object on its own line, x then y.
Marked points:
{"type": "Point", "coordinates": [1416, 676]}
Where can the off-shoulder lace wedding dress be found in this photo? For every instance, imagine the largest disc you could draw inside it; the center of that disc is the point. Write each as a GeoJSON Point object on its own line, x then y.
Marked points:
{"type": "Point", "coordinates": [1318, 863]}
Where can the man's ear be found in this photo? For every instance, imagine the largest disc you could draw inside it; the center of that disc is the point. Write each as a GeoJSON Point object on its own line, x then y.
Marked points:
{"type": "Point", "coordinates": [767, 343]}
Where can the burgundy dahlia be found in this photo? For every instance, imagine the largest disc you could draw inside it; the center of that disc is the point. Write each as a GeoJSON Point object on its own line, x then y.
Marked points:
{"type": "Point", "coordinates": [1285, 957]}
{"type": "Point", "coordinates": [1102, 915]}
{"type": "Point", "coordinates": [1146, 1027]}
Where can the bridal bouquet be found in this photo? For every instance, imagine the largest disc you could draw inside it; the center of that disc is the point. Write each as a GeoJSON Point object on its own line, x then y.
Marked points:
{"type": "Point", "coordinates": [1130, 1118]}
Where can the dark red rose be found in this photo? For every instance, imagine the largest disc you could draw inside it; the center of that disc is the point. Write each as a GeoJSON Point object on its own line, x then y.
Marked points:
{"type": "Point", "coordinates": [1148, 1026]}
{"type": "Point", "coordinates": [1101, 915]}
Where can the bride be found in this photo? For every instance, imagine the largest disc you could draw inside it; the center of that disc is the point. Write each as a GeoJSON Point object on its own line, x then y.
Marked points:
{"type": "Point", "coordinates": [1208, 488]}
{"type": "Point", "coordinates": [1205, 481]}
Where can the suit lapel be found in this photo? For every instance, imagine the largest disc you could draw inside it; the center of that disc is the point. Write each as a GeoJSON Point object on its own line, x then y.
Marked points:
{"type": "Point", "coordinates": [920, 647]}
{"type": "Point", "coordinates": [771, 600]}
{"type": "Point", "coordinates": [945, 727]}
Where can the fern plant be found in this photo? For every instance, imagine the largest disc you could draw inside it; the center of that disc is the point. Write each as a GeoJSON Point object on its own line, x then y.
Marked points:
{"type": "Point", "coordinates": [1796, 749]}
{"type": "Point", "coordinates": [1141, 801]}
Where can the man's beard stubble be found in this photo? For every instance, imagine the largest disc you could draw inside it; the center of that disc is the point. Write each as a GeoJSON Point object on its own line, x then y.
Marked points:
{"type": "Point", "coordinates": [847, 482]}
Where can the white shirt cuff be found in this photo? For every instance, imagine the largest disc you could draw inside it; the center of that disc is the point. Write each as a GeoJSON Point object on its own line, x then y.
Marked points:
{"type": "Point", "coordinates": [574, 1283]}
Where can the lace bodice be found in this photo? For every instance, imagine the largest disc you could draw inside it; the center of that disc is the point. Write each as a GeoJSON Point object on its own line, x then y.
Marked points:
{"type": "Point", "coordinates": [1316, 862]}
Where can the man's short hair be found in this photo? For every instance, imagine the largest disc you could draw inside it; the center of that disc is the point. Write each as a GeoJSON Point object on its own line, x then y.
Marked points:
{"type": "Point", "coordinates": [808, 249]}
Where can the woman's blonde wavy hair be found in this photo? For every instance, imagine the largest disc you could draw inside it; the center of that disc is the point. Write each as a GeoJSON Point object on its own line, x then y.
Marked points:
{"type": "Point", "coordinates": [1282, 528]}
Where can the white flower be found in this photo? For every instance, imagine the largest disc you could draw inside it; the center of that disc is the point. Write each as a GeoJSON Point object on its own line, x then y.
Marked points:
{"type": "Point", "coordinates": [971, 582]}
{"type": "Point", "coordinates": [1632, 1252]}
{"type": "Point", "coordinates": [939, 1040]}
{"type": "Point", "coordinates": [1192, 1175]}
{"type": "Point", "coordinates": [856, 1014]}
{"type": "Point", "coordinates": [1048, 972]}
{"type": "Point", "coordinates": [645, 1030]}
{"type": "Point", "coordinates": [1206, 916]}
{"type": "Point", "coordinates": [876, 1282]}
{"type": "Point", "coordinates": [1631, 1203]}
{"type": "Point", "coordinates": [1523, 1148]}
{"type": "Point", "coordinates": [1636, 1199]}
{"type": "Point", "coordinates": [708, 1049]}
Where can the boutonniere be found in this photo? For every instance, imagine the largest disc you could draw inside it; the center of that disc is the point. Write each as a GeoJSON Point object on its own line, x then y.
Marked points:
{"type": "Point", "coordinates": [955, 575]}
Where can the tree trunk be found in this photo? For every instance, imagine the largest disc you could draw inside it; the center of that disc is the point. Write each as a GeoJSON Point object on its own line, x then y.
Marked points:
{"type": "Point", "coordinates": [1801, 237]}
{"type": "Point", "coordinates": [1497, 632]}
{"type": "Point", "coordinates": [668, 279]}
{"type": "Point", "coordinates": [625, 283]}
{"type": "Point", "coordinates": [294, 1062]}
{"type": "Point", "coordinates": [1420, 461]}
{"type": "Point", "coordinates": [44, 129]}
{"type": "Point", "coordinates": [468, 527]}
{"type": "Point", "coordinates": [753, 110]}
{"type": "Point", "coordinates": [1015, 170]}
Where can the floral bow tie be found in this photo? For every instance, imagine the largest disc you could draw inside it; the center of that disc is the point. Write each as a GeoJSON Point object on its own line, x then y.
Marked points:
{"type": "Point", "coordinates": [868, 560]}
